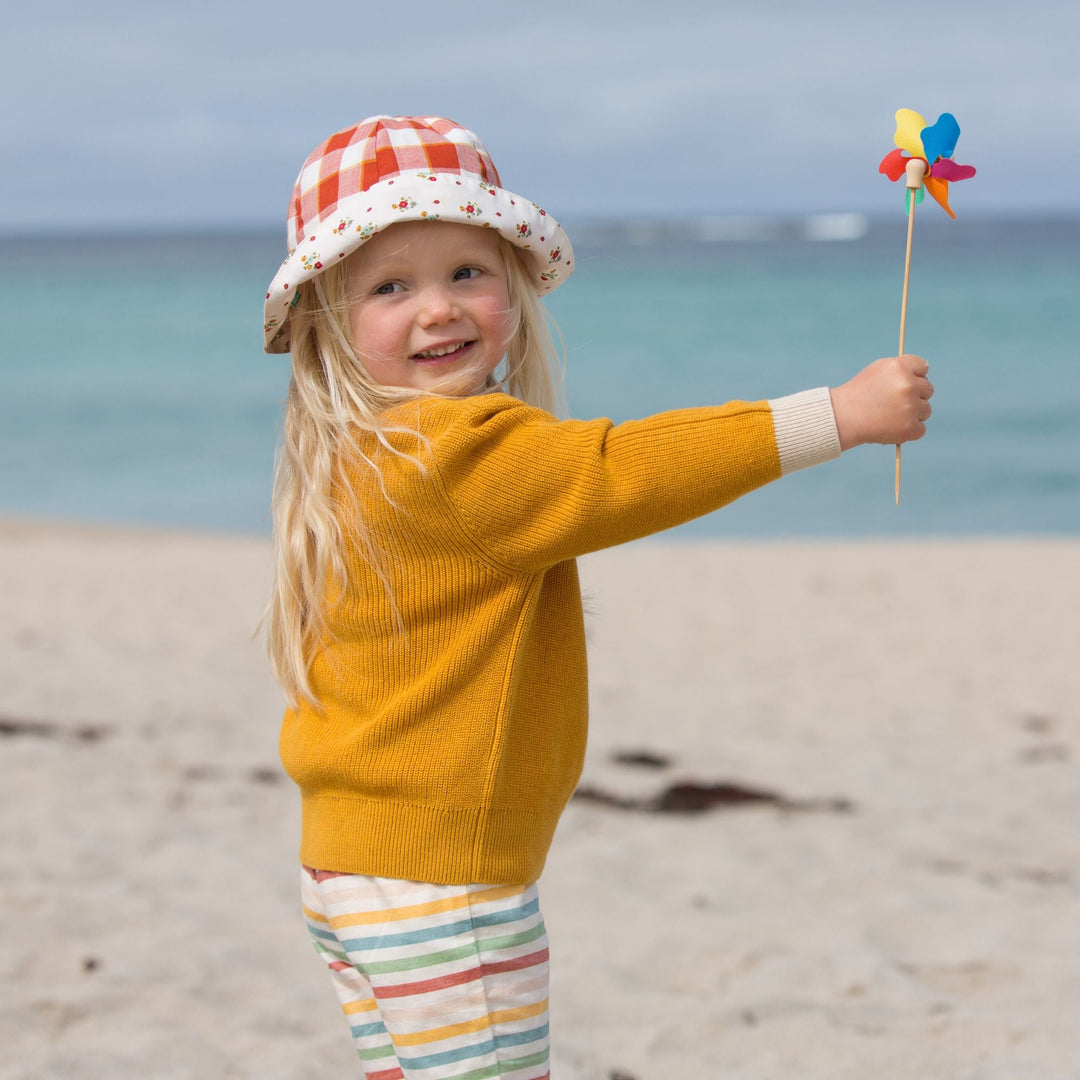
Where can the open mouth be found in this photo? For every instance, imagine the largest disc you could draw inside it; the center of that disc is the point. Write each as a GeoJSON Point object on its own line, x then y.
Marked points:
{"type": "Point", "coordinates": [442, 353]}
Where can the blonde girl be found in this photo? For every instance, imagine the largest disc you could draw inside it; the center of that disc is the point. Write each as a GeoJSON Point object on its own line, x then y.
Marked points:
{"type": "Point", "coordinates": [426, 620]}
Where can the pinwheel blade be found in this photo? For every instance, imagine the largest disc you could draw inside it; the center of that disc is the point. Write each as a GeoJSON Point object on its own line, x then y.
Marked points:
{"type": "Point", "coordinates": [939, 192]}
{"type": "Point", "coordinates": [947, 169]}
{"type": "Point", "coordinates": [893, 164]}
{"type": "Point", "coordinates": [939, 141]}
{"type": "Point", "coordinates": [909, 127]}
{"type": "Point", "coordinates": [919, 196]}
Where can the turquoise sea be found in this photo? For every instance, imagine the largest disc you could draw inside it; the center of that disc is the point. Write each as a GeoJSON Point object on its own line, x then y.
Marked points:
{"type": "Point", "coordinates": [133, 387]}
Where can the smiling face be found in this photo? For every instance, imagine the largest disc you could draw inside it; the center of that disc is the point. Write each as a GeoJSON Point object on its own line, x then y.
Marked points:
{"type": "Point", "coordinates": [429, 306]}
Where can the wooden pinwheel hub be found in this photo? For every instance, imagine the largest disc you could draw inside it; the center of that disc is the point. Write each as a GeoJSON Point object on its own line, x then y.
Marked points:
{"type": "Point", "coordinates": [914, 171]}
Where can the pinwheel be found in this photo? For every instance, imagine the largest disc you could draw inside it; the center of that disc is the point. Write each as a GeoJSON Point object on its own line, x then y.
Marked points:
{"type": "Point", "coordinates": [924, 158]}
{"type": "Point", "coordinates": [926, 150]}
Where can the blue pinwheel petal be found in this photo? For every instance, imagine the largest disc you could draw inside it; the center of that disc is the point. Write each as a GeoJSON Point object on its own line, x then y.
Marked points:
{"type": "Point", "coordinates": [939, 140]}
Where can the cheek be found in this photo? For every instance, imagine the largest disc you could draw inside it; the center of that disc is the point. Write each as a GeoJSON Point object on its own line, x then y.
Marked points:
{"type": "Point", "coordinates": [373, 333]}
{"type": "Point", "coordinates": [497, 311]}
{"type": "Point", "coordinates": [357, 326]}
{"type": "Point", "coordinates": [502, 322]}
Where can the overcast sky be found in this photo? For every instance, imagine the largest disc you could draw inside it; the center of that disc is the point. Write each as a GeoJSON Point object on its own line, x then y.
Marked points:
{"type": "Point", "coordinates": [199, 114]}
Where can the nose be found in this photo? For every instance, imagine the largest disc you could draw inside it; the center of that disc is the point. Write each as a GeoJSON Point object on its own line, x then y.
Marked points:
{"type": "Point", "coordinates": [437, 306]}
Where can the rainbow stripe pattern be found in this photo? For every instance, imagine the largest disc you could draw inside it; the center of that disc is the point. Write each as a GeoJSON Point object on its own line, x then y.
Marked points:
{"type": "Point", "coordinates": [437, 982]}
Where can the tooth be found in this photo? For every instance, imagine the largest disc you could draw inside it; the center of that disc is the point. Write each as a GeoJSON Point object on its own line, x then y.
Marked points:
{"type": "Point", "coordinates": [430, 354]}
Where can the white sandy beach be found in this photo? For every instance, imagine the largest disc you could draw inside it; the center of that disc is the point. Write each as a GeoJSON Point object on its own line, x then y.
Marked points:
{"type": "Point", "coordinates": [150, 927]}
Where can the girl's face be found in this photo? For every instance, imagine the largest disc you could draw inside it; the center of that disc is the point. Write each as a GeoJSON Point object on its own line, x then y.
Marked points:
{"type": "Point", "coordinates": [429, 306]}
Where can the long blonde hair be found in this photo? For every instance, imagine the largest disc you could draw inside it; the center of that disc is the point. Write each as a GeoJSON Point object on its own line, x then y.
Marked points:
{"type": "Point", "coordinates": [331, 402]}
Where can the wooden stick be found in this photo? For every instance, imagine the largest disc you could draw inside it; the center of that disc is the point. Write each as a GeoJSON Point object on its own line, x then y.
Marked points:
{"type": "Point", "coordinates": [914, 173]}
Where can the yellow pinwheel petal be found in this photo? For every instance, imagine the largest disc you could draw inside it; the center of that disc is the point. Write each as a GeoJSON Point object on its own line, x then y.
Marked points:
{"type": "Point", "coordinates": [909, 126]}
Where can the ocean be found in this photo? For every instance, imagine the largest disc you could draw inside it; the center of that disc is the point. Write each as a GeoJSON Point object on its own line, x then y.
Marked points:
{"type": "Point", "coordinates": [133, 388]}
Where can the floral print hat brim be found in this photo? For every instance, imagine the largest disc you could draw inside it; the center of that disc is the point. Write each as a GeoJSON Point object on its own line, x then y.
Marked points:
{"type": "Point", "coordinates": [401, 168]}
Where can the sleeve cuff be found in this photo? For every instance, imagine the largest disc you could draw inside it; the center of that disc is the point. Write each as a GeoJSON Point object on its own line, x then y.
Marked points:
{"type": "Point", "coordinates": [805, 429]}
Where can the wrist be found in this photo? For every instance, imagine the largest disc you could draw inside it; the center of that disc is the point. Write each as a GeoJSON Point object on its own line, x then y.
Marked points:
{"type": "Point", "coordinates": [845, 416]}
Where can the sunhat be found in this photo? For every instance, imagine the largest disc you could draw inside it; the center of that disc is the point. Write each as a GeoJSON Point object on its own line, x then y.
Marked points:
{"type": "Point", "coordinates": [388, 169]}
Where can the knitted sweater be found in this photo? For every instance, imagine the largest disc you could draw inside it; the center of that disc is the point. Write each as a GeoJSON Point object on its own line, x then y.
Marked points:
{"type": "Point", "coordinates": [453, 694]}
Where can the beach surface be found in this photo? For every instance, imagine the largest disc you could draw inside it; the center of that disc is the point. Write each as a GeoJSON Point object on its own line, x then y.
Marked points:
{"type": "Point", "coordinates": [828, 826]}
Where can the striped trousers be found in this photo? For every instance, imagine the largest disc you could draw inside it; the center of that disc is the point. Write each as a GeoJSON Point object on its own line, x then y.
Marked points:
{"type": "Point", "coordinates": [438, 982]}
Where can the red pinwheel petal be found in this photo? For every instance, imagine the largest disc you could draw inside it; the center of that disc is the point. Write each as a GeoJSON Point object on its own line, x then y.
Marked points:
{"type": "Point", "coordinates": [947, 169]}
{"type": "Point", "coordinates": [893, 164]}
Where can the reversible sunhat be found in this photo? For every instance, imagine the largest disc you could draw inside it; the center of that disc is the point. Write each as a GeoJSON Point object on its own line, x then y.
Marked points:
{"type": "Point", "coordinates": [388, 169]}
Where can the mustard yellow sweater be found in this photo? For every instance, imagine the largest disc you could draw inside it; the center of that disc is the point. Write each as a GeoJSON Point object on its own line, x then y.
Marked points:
{"type": "Point", "coordinates": [453, 711]}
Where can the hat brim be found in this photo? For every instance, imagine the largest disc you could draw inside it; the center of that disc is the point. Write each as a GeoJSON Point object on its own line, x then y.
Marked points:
{"type": "Point", "coordinates": [422, 196]}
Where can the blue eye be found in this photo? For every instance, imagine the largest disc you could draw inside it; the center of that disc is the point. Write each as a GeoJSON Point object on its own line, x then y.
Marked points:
{"type": "Point", "coordinates": [386, 288]}
{"type": "Point", "coordinates": [467, 272]}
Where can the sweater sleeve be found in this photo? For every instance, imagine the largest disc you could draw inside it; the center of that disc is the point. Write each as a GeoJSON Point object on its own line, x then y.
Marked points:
{"type": "Point", "coordinates": [531, 490]}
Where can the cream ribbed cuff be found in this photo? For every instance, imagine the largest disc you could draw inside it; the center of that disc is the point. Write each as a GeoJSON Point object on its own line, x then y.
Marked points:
{"type": "Point", "coordinates": [805, 429]}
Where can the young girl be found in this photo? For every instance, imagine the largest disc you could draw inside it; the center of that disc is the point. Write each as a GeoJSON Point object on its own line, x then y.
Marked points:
{"type": "Point", "coordinates": [426, 620]}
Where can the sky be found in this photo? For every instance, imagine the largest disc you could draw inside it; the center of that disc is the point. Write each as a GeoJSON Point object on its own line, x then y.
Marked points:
{"type": "Point", "coordinates": [197, 116]}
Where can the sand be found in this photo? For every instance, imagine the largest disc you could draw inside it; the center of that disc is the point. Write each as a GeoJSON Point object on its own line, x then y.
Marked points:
{"type": "Point", "coordinates": [902, 902]}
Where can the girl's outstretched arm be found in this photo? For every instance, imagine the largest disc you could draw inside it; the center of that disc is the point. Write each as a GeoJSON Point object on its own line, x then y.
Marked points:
{"type": "Point", "coordinates": [887, 402]}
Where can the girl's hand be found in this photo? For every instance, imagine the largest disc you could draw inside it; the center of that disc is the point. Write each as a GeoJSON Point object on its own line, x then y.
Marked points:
{"type": "Point", "coordinates": [887, 402]}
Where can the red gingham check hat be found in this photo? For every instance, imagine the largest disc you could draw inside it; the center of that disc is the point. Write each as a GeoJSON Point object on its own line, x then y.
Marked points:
{"type": "Point", "coordinates": [401, 168]}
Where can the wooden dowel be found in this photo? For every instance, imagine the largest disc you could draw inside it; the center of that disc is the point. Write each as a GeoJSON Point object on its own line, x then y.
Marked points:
{"type": "Point", "coordinates": [914, 174]}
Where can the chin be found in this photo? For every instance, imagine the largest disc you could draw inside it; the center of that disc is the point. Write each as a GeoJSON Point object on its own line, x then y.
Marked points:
{"type": "Point", "coordinates": [459, 384]}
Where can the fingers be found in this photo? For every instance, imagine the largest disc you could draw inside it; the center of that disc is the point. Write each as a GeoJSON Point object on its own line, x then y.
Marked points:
{"type": "Point", "coordinates": [916, 364]}
{"type": "Point", "coordinates": [887, 402]}
{"type": "Point", "coordinates": [923, 390]}
{"type": "Point", "coordinates": [912, 400]}
{"type": "Point", "coordinates": [918, 368]}
{"type": "Point", "coordinates": [918, 428]}
{"type": "Point", "coordinates": [923, 411]}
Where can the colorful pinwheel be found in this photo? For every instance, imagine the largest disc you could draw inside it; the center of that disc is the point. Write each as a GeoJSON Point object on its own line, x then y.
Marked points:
{"type": "Point", "coordinates": [934, 145]}
{"type": "Point", "coordinates": [924, 157]}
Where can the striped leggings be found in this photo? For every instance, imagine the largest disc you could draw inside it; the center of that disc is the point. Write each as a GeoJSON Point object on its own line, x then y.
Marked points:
{"type": "Point", "coordinates": [438, 982]}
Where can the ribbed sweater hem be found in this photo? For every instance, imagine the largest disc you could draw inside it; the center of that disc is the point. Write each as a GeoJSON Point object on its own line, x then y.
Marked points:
{"type": "Point", "coordinates": [444, 846]}
{"type": "Point", "coordinates": [805, 429]}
